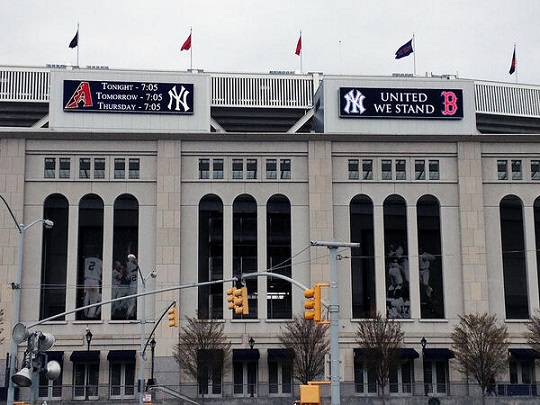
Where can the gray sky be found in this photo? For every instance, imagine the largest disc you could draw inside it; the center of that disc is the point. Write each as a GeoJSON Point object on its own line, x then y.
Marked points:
{"type": "Point", "coordinates": [470, 38]}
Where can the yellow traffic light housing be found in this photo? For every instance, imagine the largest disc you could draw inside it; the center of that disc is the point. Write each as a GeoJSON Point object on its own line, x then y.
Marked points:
{"type": "Point", "coordinates": [241, 306]}
{"type": "Point", "coordinates": [230, 297]}
{"type": "Point", "coordinates": [313, 303]}
{"type": "Point", "coordinates": [173, 317]}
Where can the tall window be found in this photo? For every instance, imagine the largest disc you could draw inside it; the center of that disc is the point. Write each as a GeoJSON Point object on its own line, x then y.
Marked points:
{"type": "Point", "coordinates": [125, 242]}
{"type": "Point", "coordinates": [386, 169]}
{"type": "Point", "coordinates": [401, 167]}
{"type": "Point", "coordinates": [245, 376]}
{"type": "Point", "coordinates": [516, 170]}
{"type": "Point", "coordinates": [217, 169]}
{"type": "Point", "coordinates": [55, 246]}
{"type": "Point", "coordinates": [363, 257]}
{"type": "Point", "coordinates": [134, 168]}
{"type": "Point", "coordinates": [65, 168]}
{"type": "Point", "coordinates": [354, 169]}
{"type": "Point", "coordinates": [251, 169]}
{"type": "Point", "coordinates": [513, 258]}
{"type": "Point", "coordinates": [285, 168]}
{"type": "Point", "coordinates": [535, 169]}
{"type": "Point", "coordinates": [365, 381]}
{"type": "Point", "coordinates": [271, 169]}
{"type": "Point", "coordinates": [279, 372]}
{"type": "Point", "coordinates": [502, 169]}
{"type": "Point", "coordinates": [436, 378]}
{"type": "Point", "coordinates": [52, 389]}
{"type": "Point", "coordinates": [84, 168]}
{"type": "Point", "coordinates": [90, 256]}
{"type": "Point", "coordinates": [278, 226]}
{"type": "Point", "coordinates": [237, 169]}
{"type": "Point", "coordinates": [367, 169]}
{"type": "Point", "coordinates": [49, 168]}
{"type": "Point", "coordinates": [245, 246]}
{"type": "Point", "coordinates": [419, 169]}
{"type": "Point", "coordinates": [99, 168]}
{"type": "Point", "coordinates": [121, 374]}
{"type": "Point", "coordinates": [210, 371]}
{"type": "Point", "coordinates": [430, 257]}
{"type": "Point", "coordinates": [86, 380]}
{"type": "Point", "coordinates": [210, 253]}
{"type": "Point", "coordinates": [434, 173]}
{"type": "Point", "coordinates": [397, 262]}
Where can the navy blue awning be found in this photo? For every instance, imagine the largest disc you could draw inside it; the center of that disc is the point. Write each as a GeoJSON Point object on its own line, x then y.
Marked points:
{"type": "Point", "coordinates": [121, 355]}
{"type": "Point", "coordinates": [524, 354]}
{"type": "Point", "coordinates": [85, 356]}
{"type": "Point", "coordinates": [405, 353]}
{"type": "Point", "coordinates": [245, 354]}
{"type": "Point", "coordinates": [443, 354]}
{"type": "Point", "coordinates": [55, 355]}
{"type": "Point", "coordinates": [280, 354]}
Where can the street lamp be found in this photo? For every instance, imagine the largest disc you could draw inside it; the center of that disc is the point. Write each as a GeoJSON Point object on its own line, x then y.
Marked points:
{"type": "Point", "coordinates": [133, 259]}
{"type": "Point", "coordinates": [423, 342]}
{"type": "Point", "coordinates": [251, 343]}
{"type": "Point", "coordinates": [16, 286]}
{"type": "Point", "coordinates": [88, 337]}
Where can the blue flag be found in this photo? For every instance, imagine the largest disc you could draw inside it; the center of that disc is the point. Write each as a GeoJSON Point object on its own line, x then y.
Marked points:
{"type": "Point", "coordinates": [404, 50]}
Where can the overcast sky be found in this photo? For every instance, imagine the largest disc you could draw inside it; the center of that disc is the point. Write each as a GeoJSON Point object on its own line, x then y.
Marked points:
{"type": "Point", "coordinates": [469, 38]}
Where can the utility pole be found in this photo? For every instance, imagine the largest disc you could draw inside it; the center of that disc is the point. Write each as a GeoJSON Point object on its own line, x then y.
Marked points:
{"type": "Point", "coordinates": [333, 311]}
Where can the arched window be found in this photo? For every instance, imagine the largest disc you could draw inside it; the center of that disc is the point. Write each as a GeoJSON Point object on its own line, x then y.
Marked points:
{"type": "Point", "coordinates": [210, 297]}
{"type": "Point", "coordinates": [245, 245]}
{"type": "Point", "coordinates": [90, 256]}
{"type": "Point", "coordinates": [430, 258]}
{"type": "Point", "coordinates": [278, 249]}
{"type": "Point", "coordinates": [363, 258]}
{"type": "Point", "coordinates": [55, 246]}
{"type": "Point", "coordinates": [516, 296]}
{"type": "Point", "coordinates": [397, 258]}
{"type": "Point", "coordinates": [125, 242]}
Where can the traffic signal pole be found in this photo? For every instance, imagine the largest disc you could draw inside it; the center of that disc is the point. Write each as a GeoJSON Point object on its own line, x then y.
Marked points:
{"type": "Point", "coordinates": [333, 311]}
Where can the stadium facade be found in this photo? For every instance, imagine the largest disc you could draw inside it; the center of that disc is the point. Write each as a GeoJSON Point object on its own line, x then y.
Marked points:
{"type": "Point", "coordinates": [207, 176]}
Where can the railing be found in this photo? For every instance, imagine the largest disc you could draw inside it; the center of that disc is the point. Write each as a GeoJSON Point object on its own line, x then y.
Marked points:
{"type": "Point", "coordinates": [24, 84]}
{"type": "Point", "coordinates": [507, 99]}
{"type": "Point", "coordinates": [264, 390]}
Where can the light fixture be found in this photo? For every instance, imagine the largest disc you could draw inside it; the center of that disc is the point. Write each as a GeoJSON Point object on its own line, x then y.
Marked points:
{"type": "Point", "coordinates": [423, 342]}
{"type": "Point", "coordinates": [251, 342]}
{"type": "Point", "coordinates": [88, 337]}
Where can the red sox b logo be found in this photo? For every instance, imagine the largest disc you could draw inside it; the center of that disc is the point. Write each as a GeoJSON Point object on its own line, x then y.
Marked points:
{"type": "Point", "coordinates": [449, 102]}
{"type": "Point", "coordinates": [81, 95]}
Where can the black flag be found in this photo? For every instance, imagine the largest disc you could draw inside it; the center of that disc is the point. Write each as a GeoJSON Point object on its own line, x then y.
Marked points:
{"type": "Point", "coordinates": [75, 41]}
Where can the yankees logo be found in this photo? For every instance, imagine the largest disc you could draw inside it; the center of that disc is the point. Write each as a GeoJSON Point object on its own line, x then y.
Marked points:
{"type": "Point", "coordinates": [355, 102]}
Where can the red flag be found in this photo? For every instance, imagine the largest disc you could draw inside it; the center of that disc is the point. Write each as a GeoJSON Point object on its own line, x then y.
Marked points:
{"type": "Point", "coordinates": [299, 46]}
{"type": "Point", "coordinates": [187, 44]}
{"type": "Point", "coordinates": [513, 64]}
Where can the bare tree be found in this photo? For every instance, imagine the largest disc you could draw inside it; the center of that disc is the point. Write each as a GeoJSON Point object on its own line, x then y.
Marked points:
{"type": "Point", "coordinates": [380, 340]}
{"type": "Point", "coordinates": [308, 343]}
{"type": "Point", "coordinates": [480, 346]}
{"type": "Point", "coordinates": [533, 335]}
{"type": "Point", "coordinates": [202, 350]}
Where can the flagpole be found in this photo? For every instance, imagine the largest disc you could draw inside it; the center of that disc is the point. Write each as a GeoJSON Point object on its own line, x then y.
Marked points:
{"type": "Point", "coordinates": [516, 62]}
{"type": "Point", "coordinates": [78, 38]}
{"type": "Point", "coordinates": [191, 50]}
{"type": "Point", "coordinates": [301, 52]}
{"type": "Point", "coordinates": [414, 54]}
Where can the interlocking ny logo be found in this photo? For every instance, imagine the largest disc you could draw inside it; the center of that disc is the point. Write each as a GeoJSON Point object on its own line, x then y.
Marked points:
{"type": "Point", "coordinates": [179, 98]}
{"type": "Point", "coordinates": [355, 102]}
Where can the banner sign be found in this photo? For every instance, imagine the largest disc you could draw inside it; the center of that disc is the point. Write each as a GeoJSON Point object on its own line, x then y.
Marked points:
{"type": "Point", "coordinates": [364, 102]}
{"type": "Point", "coordinates": [128, 97]}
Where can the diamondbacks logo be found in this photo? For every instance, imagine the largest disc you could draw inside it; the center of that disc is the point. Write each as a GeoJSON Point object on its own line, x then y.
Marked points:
{"type": "Point", "coordinates": [81, 96]}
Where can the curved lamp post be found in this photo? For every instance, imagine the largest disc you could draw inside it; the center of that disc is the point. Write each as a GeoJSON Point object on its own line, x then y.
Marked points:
{"type": "Point", "coordinates": [16, 286]}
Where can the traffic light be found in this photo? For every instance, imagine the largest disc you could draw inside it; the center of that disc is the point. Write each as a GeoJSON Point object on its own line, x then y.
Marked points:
{"type": "Point", "coordinates": [241, 306]}
{"type": "Point", "coordinates": [313, 303]}
{"type": "Point", "coordinates": [173, 317]}
{"type": "Point", "coordinates": [230, 297]}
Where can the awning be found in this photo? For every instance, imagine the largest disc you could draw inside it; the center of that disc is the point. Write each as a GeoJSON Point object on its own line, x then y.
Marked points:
{"type": "Point", "coordinates": [55, 355]}
{"type": "Point", "coordinates": [123, 356]}
{"type": "Point", "coordinates": [405, 353]}
{"type": "Point", "coordinates": [280, 354]}
{"type": "Point", "coordinates": [524, 354]}
{"type": "Point", "coordinates": [85, 356]}
{"type": "Point", "coordinates": [245, 354]}
{"type": "Point", "coordinates": [443, 354]}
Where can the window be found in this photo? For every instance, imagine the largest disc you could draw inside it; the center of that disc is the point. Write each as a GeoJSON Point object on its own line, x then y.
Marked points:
{"type": "Point", "coordinates": [436, 376]}
{"type": "Point", "coordinates": [85, 380]}
{"type": "Point", "coordinates": [419, 169]}
{"type": "Point", "coordinates": [134, 168]}
{"type": "Point", "coordinates": [522, 371]}
{"type": "Point", "coordinates": [386, 169]}
{"type": "Point", "coordinates": [353, 169]}
{"type": "Point", "coordinates": [238, 169]}
{"type": "Point", "coordinates": [365, 381]}
{"type": "Point", "coordinates": [84, 168]}
{"type": "Point", "coordinates": [210, 370]}
{"type": "Point", "coordinates": [535, 169]}
{"type": "Point", "coordinates": [122, 380]}
{"type": "Point", "coordinates": [502, 169]}
{"type": "Point", "coordinates": [367, 169]}
{"type": "Point", "coordinates": [120, 168]}
{"type": "Point", "coordinates": [279, 376]}
{"type": "Point", "coordinates": [434, 170]}
{"type": "Point", "coordinates": [50, 168]}
{"type": "Point", "coordinates": [251, 169]}
{"type": "Point", "coordinates": [516, 170]}
{"type": "Point", "coordinates": [217, 168]}
{"type": "Point", "coordinates": [271, 169]}
{"type": "Point", "coordinates": [99, 168]}
{"type": "Point", "coordinates": [49, 389]}
{"type": "Point", "coordinates": [285, 168]}
{"type": "Point", "coordinates": [401, 378]}
{"type": "Point", "coordinates": [400, 169]}
{"type": "Point", "coordinates": [65, 164]}
{"type": "Point", "coordinates": [245, 378]}
{"type": "Point", "coordinates": [204, 168]}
